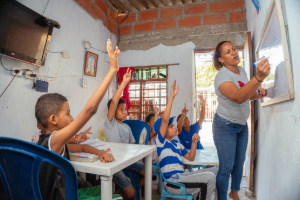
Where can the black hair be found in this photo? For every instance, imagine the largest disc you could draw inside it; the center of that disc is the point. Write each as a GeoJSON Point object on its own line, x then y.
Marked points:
{"type": "Point", "coordinates": [149, 117]}
{"type": "Point", "coordinates": [47, 105]}
{"type": "Point", "coordinates": [217, 64]}
{"type": "Point", "coordinates": [178, 118]}
{"type": "Point", "coordinates": [120, 102]}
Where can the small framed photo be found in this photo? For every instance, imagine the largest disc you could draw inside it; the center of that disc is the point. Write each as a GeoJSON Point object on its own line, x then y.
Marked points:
{"type": "Point", "coordinates": [90, 65]}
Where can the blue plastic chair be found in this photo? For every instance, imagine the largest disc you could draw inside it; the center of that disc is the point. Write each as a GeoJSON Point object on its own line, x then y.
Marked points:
{"type": "Point", "coordinates": [165, 193]}
{"type": "Point", "coordinates": [137, 127]}
{"type": "Point", "coordinates": [20, 162]}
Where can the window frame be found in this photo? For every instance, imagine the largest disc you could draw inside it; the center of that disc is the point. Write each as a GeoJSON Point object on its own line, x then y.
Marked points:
{"type": "Point", "coordinates": [142, 112]}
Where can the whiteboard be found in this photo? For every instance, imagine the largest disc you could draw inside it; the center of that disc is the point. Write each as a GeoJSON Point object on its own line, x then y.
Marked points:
{"type": "Point", "coordinates": [273, 44]}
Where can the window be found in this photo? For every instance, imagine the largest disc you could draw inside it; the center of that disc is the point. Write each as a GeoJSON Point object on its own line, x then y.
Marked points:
{"type": "Point", "coordinates": [148, 86]}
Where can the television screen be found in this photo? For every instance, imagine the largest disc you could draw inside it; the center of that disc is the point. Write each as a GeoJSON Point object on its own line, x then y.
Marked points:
{"type": "Point", "coordinates": [24, 34]}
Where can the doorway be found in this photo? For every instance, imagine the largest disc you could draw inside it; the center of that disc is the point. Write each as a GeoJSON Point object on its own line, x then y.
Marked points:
{"type": "Point", "coordinates": [205, 77]}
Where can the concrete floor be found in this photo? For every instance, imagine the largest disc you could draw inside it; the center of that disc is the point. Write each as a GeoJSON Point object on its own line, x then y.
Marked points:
{"type": "Point", "coordinates": [156, 195]}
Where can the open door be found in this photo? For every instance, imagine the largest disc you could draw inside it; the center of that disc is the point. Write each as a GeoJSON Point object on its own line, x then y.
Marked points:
{"type": "Point", "coordinates": [249, 162]}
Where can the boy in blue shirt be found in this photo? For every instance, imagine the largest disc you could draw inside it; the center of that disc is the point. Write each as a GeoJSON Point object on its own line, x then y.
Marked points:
{"type": "Point", "coordinates": [186, 130]}
{"type": "Point", "coordinates": [171, 153]}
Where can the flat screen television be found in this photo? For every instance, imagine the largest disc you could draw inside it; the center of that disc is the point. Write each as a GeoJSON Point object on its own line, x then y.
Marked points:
{"type": "Point", "coordinates": [24, 34]}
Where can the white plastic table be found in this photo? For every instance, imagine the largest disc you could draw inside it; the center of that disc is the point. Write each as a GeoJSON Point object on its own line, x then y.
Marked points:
{"type": "Point", "coordinates": [125, 155]}
{"type": "Point", "coordinates": [204, 157]}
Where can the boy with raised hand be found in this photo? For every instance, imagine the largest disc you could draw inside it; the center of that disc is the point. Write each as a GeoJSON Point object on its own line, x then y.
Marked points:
{"type": "Point", "coordinates": [186, 130]}
{"type": "Point", "coordinates": [52, 111]}
{"type": "Point", "coordinates": [171, 153]}
{"type": "Point", "coordinates": [116, 131]}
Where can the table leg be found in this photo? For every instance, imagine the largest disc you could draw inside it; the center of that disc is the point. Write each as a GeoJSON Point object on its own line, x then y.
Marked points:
{"type": "Point", "coordinates": [82, 175]}
{"type": "Point", "coordinates": [148, 177]}
{"type": "Point", "coordinates": [106, 187]}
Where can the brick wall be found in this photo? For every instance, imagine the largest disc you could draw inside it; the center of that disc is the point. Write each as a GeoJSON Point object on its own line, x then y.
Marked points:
{"type": "Point", "coordinates": [173, 25]}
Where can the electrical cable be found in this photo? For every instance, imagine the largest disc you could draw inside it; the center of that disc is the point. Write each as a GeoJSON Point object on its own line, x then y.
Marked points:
{"type": "Point", "coordinates": [119, 27]}
{"type": "Point", "coordinates": [98, 50]}
{"type": "Point", "coordinates": [12, 69]}
{"type": "Point", "coordinates": [57, 71]}
{"type": "Point", "coordinates": [8, 84]}
{"type": "Point", "coordinates": [54, 52]}
{"type": "Point", "coordinates": [46, 7]}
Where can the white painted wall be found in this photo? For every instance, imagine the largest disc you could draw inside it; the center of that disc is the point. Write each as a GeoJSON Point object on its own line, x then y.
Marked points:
{"type": "Point", "coordinates": [183, 73]}
{"type": "Point", "coordinates": [17, 117]}
{"type": "Point", "coordinates": [277, 169]}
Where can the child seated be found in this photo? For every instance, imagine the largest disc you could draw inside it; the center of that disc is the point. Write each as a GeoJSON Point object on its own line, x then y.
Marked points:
{"type": "Point", "coordinates": [116, 131]}
{"type": "Point", "coordinates": [52, 111]}
{"type": "Point", "coordinates": [150, 119]}
{"type": "Point", "coordinates": [186, 130]}
{"type": "Point", "coordinates": [171, 154]}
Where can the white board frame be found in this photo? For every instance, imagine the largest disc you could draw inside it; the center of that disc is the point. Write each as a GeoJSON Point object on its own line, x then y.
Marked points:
{"type": "Point", "coordinates": [275, 4]}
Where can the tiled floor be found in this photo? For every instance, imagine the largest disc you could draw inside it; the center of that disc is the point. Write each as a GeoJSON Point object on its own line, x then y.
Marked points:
{"type": "Point", "coordinates": [156, 195]}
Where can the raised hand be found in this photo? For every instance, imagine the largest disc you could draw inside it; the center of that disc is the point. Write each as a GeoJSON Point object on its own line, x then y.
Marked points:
{"type": "Point", "coordinates": [174, 91]}
{"type": "Point", "coordinates": [184, 110]}
{"type": "Point", "coordinates": [202, 100]}
{"type": "Point", "coordinates": [156, 109]}
{"type": "Point", "coordinates": [106, 157]}
{"type": "Point", "coordinates": [263, 69]}
{"type": "Point", "coordinates": [113, 56]}
{"type": "Point", "coordinates": [195, 138]}
{"type": "Point", "coordinates": [127, 76]}
{"type": "Point", "coordinates": [83, 135]}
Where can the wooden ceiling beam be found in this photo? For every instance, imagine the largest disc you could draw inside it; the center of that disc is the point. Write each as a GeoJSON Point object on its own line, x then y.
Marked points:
{"type": "Point", "coordinates": [126, 4]}
{"type": "Point", "coordinates": [110, 6]}
{"type": "Point", "coordinates": [155, 3]}
{"type": "Point", "coordinates": [135, 4]}
{"type": "Point", "coordinates": [144, 3]}
{"type": "Point", "coordinates": [173, 2]}
{"type": "Point", "coordinates": [119, 6]}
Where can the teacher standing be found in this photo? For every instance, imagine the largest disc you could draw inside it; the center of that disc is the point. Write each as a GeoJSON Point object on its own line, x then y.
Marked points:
{"type": "Point", "coordinates": [230, 130]}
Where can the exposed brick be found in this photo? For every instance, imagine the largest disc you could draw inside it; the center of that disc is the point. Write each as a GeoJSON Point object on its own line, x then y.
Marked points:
{"type": "Point", "coordinates": [190, 21]}
{"type": "Point", "coordinates": [195, 9]}
{"type": "Point", "coordinates": [110, 25]}
{"type": "Point", "coordinates": [165, 24]}
{"type": "Point", "coordinates": [125, 30]}
{"type": "Point", "coordinates": [171, 12]}
{"type": "Point", "coordinates": [238, 4]}
{"type": "Point", "coordinates": [102, 6]}
{"type": "Point", "coordinates": [236, 17]}
{"type": "Point", "coordinates": [131, 18]}
{"type": "Point", "coordinates": [220, 6]}
{"type": "Point", "coordinates": [97, 13]}
{"type": "Point", "coordinates": [148, 15]}
{"type": "Point", "coordinates": [84, 3]}
{"type": "Point", "coordinates": [113, 16]}
{"type": "Point", "coordinates": [214, 19]}
{"type": "Point", "coordinates": [148, 26]}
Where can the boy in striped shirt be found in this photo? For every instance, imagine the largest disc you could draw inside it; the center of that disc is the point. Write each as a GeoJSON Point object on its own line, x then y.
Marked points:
{"type": "Point", "coordinates": [171, 154]}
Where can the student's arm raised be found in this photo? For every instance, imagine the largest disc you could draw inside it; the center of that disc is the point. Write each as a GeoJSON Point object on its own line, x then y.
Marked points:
{"type": "Point", "coordinates": [62, 136]}
{"type": "Point", "coordinates": [166, 116]}
{"type": "Point", "coordinates": [202, 113]}
{"type": "Point", "coordinates": [156, 112]}
{"type": "Point", "coordinates": [191, 155]}
{"type": "Point", "coordinates": [104, 157]}
{"type": "Point", "coordinates": [181, 119]}
{"type": "Point", "coordinates": [115, 100]}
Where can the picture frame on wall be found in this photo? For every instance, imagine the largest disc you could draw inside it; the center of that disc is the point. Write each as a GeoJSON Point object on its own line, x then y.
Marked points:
{"type": "Point", "coordinates": [90, 64]}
